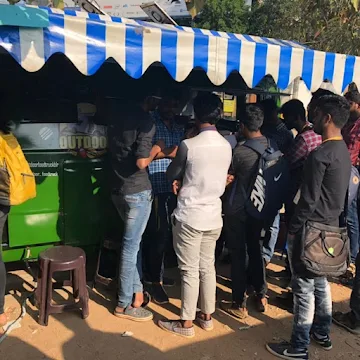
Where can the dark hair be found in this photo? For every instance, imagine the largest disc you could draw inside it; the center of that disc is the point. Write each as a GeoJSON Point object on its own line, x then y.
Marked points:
{"type": "Point", "coordinates": [337, 107]}
{"type": "Point", "coordinates": [207, 108]}
{"type": "Point", "coordinates": [294, 107]}
{"type": "Point", "coordinates": [252, 117]}
{"type": "Point", "coordinates": [353, 96]}
{"type": "Point", "coordinates": [269, 105]}
{"type": "Point", "coordinates": [321, 92]}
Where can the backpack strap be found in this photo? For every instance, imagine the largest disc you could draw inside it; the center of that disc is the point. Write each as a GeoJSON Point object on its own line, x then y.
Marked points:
{"type": "Point", "coordinates": [256, 145]}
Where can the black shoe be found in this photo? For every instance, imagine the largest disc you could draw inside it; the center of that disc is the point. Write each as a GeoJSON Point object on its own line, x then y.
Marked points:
{"type": "Point", "coordinates": [158, 294]}
{"type": "Point", "coordinates": [279, 275]}
{"type": "Point", "coordinates": [347, 321]}
{"type": "Point", "coordinates": [285, 351]}
{"type": "Point", "coordinates": [167, 282]}
{"type": "Point", "coordinates": [324, 342]}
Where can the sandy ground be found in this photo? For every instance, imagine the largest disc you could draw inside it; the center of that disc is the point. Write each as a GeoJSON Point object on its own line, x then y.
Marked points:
{"type": "Point", "coordinates": [100, 336]}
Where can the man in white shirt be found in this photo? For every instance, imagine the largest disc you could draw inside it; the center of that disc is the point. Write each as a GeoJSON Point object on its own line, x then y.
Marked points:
{"type": "Point", "coordinates": [201, 165]}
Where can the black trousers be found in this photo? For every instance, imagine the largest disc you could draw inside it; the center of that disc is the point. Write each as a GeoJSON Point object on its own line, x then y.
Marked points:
{"type": "Point", "coordinates": [355, 295]}
{"type": "Point", "coordinates": [158, 236]}
{"type": "Point", "coordinates": [247, 265]}
{"type": "Point", "coordinates": [4, 211]}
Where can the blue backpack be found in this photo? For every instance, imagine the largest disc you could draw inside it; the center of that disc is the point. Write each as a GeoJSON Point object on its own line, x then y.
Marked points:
{"type": "Point", "coordinates": [269, 189]}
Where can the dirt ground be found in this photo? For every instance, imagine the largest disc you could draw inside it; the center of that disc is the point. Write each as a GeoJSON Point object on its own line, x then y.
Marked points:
{"type": "Point", "coordinates": [100, 336]}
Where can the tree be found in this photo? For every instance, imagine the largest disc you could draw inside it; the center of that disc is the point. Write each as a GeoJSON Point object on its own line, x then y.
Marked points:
{"type": "Point", "coordinates": [329, 25]}
{"type": "Point", "coordinates": [224, 15]}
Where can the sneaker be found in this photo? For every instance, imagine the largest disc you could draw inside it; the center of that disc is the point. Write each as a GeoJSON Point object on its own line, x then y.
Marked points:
{"type": "Point", "coordinates": [158, 294]}
{"type": "Point", "coordinates": [261, 304]}
{"type": "Point", "coordinates": [176, 328]}
{"type": "Point", "coordinates": [347, 321]}
{"type": "Point", "coordinates": [135, 314]}
{"type": "Point", "coordinates": [285, 351]}
{"type": "Point", "coordinates": [324, 342]}
{"type": "Point", "coordinates": [167, 282]}
{"type": "Point", "coordinates": [279, 275]}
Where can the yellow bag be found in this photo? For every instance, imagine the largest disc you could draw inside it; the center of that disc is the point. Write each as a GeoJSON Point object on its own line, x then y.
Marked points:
{"type": "Point", "coordinates": [17, 182]}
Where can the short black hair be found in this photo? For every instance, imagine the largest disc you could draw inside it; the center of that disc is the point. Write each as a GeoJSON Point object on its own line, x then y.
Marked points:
{"type": "Point", "coordinates": [337, 107]}
{"type": "Point", "coordinates": [207, 108]}
{"type": "Point", "coordinates": [321, 92]}
{"type": "Point", "coordinates": [353, 96]}
{"type": "Point", "coordinates": [294, 107]}
{"type": "Point", "coordinates": [252, 117]}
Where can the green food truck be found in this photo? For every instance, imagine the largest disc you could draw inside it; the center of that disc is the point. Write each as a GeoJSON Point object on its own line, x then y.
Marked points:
{"type": "Point", "coordinates": [54, 63]}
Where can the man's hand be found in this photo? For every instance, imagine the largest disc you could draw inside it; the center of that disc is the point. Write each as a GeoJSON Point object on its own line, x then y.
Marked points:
{"type": "Point", "coordinates": [230, 178]}
{"type": "Point", "coordinates": [176, 186]}
{"type": "Point", "coordinates": [171, 151]}
{"type": "Point", "coordinates": [161, 144]}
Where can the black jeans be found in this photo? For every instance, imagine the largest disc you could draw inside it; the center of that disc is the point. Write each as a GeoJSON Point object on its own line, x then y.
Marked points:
{"type": "Point", "coordinates": [355, 295]}
{"type": "Point", "coordinates": [247, 265]}
{"type": "Point", "coordinates": [158, 236]}
{"type": "Point", "coordinates": [4, 211]}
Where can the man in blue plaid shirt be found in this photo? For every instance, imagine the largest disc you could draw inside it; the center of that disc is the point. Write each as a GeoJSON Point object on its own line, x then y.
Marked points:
{"type": "Point", "coordinates": [158, 233]}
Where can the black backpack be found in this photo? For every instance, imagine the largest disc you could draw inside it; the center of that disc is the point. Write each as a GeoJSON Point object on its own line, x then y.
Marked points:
{"type": "Point", "coordinates": [268, 191]}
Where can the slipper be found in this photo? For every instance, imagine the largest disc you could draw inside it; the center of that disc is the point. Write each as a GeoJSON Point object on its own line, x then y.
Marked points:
{"type": "Point", "coordinates": [206, 325]}
{"type": "Point", "coordinates": [176, 328]}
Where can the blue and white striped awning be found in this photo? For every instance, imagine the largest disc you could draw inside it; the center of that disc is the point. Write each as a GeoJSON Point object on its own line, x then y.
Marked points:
{"type": "Point", "coordinates": [88, 40]}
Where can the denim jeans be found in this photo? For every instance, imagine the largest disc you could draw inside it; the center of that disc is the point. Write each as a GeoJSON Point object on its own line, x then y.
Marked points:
{"type": "Point", "coordinates": [353, 229]}
{"type": "Point", "coordinates": [269, 245]}
{"type": "Point", "coordinates": [312, 309]}
{"type": "Point", "coordinates": [158, 236]}
{"type": "Point", "coordinates": [134, 210]}
{"type": "Point", "coordinates": [355, 295]}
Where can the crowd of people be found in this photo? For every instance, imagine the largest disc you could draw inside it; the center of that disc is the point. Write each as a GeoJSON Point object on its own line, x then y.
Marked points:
{"type": "Point", "coordinates": [172, 190]}
{"type": "Point", "coordinates": [171, 187]}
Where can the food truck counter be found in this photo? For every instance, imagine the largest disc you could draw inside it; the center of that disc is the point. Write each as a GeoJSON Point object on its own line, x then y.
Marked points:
{"type": "Point", "coordinates": [73, 204]}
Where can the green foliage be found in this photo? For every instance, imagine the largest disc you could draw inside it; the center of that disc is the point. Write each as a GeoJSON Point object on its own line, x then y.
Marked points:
{"type": "Point", "coordinates": [224, 15]}
{"type": "Point", "coordinates": [329, 25]}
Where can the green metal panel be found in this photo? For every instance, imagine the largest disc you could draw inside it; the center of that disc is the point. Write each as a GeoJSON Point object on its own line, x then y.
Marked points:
{"type": "Point", "coordinates": [32, 252]}
{"type": "Point", "coordinates": [40, 220]}
{"type": "Point", "coordinates": [73, 203]}
{"type": "Point", "coordinates": [89, 215]}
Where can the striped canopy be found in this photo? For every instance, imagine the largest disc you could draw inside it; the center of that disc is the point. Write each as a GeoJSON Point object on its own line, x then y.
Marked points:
{"type": "Point", "coordinates": [88, 40]}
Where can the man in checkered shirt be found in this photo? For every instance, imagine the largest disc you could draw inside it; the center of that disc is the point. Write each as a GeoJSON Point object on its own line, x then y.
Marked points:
{"type": "Point", "coordinates": [158, 233]}
{"type": "Point", "coordinates": [305, 142]}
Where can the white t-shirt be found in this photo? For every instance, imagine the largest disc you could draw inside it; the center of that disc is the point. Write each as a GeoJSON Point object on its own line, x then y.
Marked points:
{"type": "Point", "coordinates": [202, 163]}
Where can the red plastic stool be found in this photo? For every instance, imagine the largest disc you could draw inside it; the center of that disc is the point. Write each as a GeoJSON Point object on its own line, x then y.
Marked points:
{"type": "Point", "coordinates": [59, 259]}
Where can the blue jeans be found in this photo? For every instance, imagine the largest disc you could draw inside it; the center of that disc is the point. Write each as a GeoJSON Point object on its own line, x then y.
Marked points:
{"type": "Point", "coordinates": [134, 210]}
{"type": "Point", "coordinates": [353, 229]}
{"type": "Point", "coordinates": [269, 246]}
{"type": "Point", "coordinates": [312, 310]}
